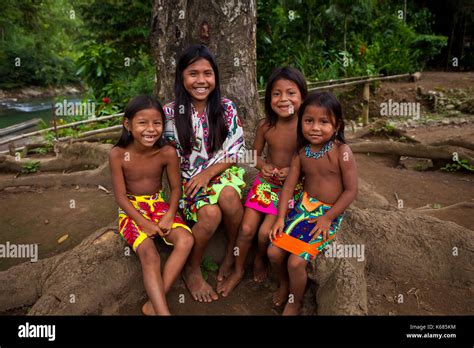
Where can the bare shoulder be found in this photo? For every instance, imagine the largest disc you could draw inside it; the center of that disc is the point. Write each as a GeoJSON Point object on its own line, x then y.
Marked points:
{"type": "Point", "coordinates": [343, 149]}
{"type": "Point", "coordinates": [116, 153]}
{"type": "Point", "coordinates": [168, 152]}
{"type": "Point", "coordinates": [263, 125]}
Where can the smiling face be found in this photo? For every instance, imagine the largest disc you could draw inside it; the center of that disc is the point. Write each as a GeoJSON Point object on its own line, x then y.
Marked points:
{"type": "Point", "coordinates": [146, 127]}
{"type": "Point", "coordinates": [286, 98]}
{"type": "Point", "coordinates": [317, 125]}
{"type": "Point", "coordinates": [199, 80]}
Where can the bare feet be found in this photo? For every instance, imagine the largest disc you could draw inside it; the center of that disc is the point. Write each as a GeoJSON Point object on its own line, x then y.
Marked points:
{"type": "Point", "coordinates": [292, 309]}
{"type": "Point", "coordinates": [280, 297]}
{"type": "Point", "coordinates": [260, 270]}
{"type": "Point", "coordinates": [226, 268]}
{"type": "Point", "coordinates": [147, 308]}
{"type": "Point", "coordinates": [200, 290]}
{"type": "Point", "coordinates": [229, 283]}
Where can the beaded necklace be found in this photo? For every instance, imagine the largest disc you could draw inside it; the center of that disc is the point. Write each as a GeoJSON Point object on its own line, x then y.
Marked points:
{"type": "Point", "coordinates": [318, 154]}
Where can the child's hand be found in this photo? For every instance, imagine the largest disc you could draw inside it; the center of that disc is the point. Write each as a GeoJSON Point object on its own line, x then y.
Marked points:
{"type": "Point", "coordinates": [283, 173]}
{"type": "Point", "coordinates": [323, 224]}
{"type": "Point", "coordinates": [196, 183]}
{"type": "Point", "coordinates": [165, 223]}
{"type": "Point", "coordinates": [268, 171]}
{"type": "Point", "coordinates": [151, 229]}
{"type": "Point", "coordinates": [277, 228]}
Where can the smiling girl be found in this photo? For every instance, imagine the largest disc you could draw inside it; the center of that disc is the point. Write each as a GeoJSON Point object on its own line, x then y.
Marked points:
{"type": "Point", "coordinates": [137, 163]}
{"type": "Point", "coordinates": [207, 133]}
{"type": "Point", "coordinates": [330, 186]}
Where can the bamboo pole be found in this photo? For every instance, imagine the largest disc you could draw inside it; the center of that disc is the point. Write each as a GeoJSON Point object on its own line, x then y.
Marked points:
{"type": "Point", "coordinates": [93, 132]}
{"type": "Point", "coordinates": [26, 135]}
{"type": "Point", "coordinates": [358, 82]}
{"type": "Point", "coordinates": [335, 80]}
{"type": "Point", "coordinates": [352, 83]}
{"type": "Point", "coordinates": [79, 138]}
{"type": "Point", "coordinates": [344, 79]}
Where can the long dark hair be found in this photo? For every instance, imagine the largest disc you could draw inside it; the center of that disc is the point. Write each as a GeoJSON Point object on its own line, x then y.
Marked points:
{"type": "Point", "coordinates": [325, 100]}
{"type": "Point", "coordinates": [135, 105]}
{"type": "Point", "coordinates": [282, 73]}
{"type": "Point", "coordinates": [215, 111]}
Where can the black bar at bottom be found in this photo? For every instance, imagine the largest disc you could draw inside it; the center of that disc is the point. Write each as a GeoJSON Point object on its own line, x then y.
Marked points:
{"type": "Point", "coordinates": [244, 330]}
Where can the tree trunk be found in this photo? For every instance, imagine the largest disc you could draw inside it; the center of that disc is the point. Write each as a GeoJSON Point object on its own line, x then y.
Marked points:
{"type": "Point", "coordinates": [227, 28]}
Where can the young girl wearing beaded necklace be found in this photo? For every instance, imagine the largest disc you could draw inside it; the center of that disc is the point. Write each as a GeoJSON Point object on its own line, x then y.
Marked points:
{"type": "Point", "coordinates": [330, 186]}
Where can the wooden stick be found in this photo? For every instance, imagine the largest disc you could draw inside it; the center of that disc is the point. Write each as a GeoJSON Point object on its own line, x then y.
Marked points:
{"type": "Point", "coordinates": [411, 150]}
{"type": "Point", "coordinates": [92, 132]}
{"type": "Point", "coordinates": [352, 83]}
{"type": "Point", "coordinates": [26, 135]}
{"type": "Point", "coordinates": [260, 91]}
{"type": "Point", "coordinates": [73, 139]}
{"type": "Point", "coordinates": [365, 105]}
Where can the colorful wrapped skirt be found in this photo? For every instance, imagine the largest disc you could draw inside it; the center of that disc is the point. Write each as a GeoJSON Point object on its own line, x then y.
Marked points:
{"type": "Point", "coordinates": [233, 176]}
{"type": "Point", "coordinates": [152, 208]}
{"type": "Point", "coordinates": [296, 238]}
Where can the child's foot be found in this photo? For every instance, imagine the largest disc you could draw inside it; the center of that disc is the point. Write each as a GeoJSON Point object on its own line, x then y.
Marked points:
{"type": "Point", "coordinates": [292, 309]}
{"type": "Point", "coordinates": [226, 268]}
{"type": "Point", "coordinates": [147, 308]}
{"type": "Point", "coordinates": [260, 270]}
{"type": "Point", "coordinates": [200, 290]}
{"type": "Point", "coordinates": [229, 283]}
{"type": "Point", "coordinates": [280, 297]}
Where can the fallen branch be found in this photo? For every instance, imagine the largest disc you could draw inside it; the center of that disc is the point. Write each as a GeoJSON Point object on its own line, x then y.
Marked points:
{"type": "Point", "coordinates": [454, 142]}
{"type": "Point", "coordinates": [428, 208]}
{"type": "Point", "coordinates": [411, 150]}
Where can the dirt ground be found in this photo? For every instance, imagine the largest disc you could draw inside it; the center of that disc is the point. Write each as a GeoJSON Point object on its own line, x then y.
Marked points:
{"type": "Point", "coordinates": [44, 216]}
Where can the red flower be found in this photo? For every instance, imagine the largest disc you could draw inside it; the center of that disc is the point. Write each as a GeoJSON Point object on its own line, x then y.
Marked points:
{"type": "Point", "coordinates": [362, 50]}
{"type": "Point", "coordinates": [106, 100]}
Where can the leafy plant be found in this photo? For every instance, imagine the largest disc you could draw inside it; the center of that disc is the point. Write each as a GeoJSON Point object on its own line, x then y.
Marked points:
{"type": "Point", "coordinates": [30, 167]}
{"type": "Point", "coordinates": [208, 265]}
{"type": "Point", "coordinates": [41, 150]}
{"type": "Point", "coordinates": [386, 128]}
{"type": "Point", "coordinates": [457, 166]}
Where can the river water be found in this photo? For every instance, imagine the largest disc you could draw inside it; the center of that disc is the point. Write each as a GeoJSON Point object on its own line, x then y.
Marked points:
{"type": "Point", "coordinates": [12, 112]}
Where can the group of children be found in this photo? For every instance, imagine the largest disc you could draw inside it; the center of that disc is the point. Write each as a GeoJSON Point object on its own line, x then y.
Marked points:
{"type": "Point", "coordinates": [296, 203]}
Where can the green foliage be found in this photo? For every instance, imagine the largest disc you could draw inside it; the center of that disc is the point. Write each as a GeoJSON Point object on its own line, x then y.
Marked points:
{"type": "Point", "coordinates": [41, 150]}
{"type": "Point", "coordinates": [386, 128]}
{"type": "Point", "coordinates": [457, 166]}
{"type": "Point", "coordinates": [35, 44]}
{"type": "Point", "coordinates": [115, 61]}
{"type": "Point", "coordinates": [30, 167]}
{"type": "Point", "coordinates": [333, 39]}
{"type": "Point", "coordinates": [208, 265]}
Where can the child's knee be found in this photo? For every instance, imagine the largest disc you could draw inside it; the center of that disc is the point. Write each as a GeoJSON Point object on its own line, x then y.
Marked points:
{"type": "Point", "coordinates": [229, 199]}
{"type": "Point", "coordinates": [209, 216]}
{"type": "Point", "coordinates": [296, 263]}
{"type": "Point", "coordinates": [264, 232]}
{"type": "Point", "coordinates": [185, 240]}
{"type": "Point", "coordinates": [274, 253]}
{"type": "Point", "coordinates": [247, 231]}
{"type": "Point", "coordinates": [149, 256]}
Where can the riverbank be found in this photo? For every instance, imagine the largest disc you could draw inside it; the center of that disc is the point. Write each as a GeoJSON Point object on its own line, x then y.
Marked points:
{"type": "Point", "coordinates": [39, 92]}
